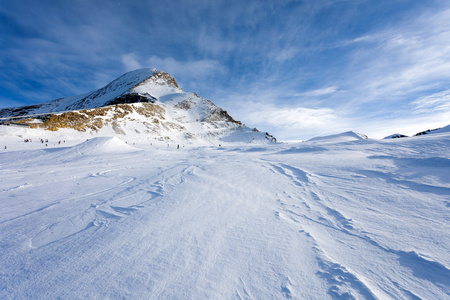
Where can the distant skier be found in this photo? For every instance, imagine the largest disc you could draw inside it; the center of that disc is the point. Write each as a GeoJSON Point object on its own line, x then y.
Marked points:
{"type": "Point", "coordinates": [178, 147]}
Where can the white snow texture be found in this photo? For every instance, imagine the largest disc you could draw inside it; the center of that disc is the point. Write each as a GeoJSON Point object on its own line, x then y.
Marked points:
{"type": "Point", "coordinates": [339, 217]}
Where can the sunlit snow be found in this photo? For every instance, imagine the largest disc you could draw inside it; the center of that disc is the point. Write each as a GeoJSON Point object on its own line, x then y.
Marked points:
{"type": "Point", "coordinates": [337, 217]}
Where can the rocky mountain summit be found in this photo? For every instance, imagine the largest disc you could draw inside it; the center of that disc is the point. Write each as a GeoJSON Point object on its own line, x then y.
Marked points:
{"type": "Point", "coordinates": [145, 102]}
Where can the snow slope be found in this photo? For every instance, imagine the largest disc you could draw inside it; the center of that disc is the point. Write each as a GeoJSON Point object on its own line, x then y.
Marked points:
{"type": "Point", "coordinates": [445, 129]}
{"type": "Point", "coordinates": [105, 219]}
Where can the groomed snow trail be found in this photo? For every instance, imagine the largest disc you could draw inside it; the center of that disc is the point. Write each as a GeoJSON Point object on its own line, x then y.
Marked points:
{"type": "Point", "coordinates": [318, 220]}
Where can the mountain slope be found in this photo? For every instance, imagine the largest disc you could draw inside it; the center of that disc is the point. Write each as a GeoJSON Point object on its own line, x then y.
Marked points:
{"type": "Point", "coordinates": [144, 101]}
{"type": "Point", "coordinates": [118, 87]}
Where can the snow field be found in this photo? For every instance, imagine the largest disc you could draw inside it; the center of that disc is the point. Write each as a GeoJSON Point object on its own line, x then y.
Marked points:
{"type": "Point", "coordinates": [330, 218]}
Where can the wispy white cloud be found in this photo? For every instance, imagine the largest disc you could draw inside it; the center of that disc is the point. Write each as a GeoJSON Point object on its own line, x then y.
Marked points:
{"type": "Point", "coordinates": [210, 42]}
{"type": "Point", "coordinates": [433, 103]}
{"type": "Point", "coordinates": [194, 69]}
{"type": "Point", "coordinates": [294, 117]}
{"type": "Point", "coordinates": [264, 109]}
{"type": "Point", "coordinates": [295, 122]}
{"type": "Point", "coordinates": [319, 92]}
{"type": "Point", "coordinates": [285, 54]}
{"type": "Point", "coordinates": [397, 62]}
{"type": "Point", "coordinates": [130, 62]}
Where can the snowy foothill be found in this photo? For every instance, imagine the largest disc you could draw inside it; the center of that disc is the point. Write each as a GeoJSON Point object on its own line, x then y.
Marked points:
{"type": "Point", "coordinates": [116, 217]}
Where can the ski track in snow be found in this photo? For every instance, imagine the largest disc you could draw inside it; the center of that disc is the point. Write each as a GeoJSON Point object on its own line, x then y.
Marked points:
{"type": "Point", "coordinates": [334, 273]}
{"type": "Point", "coordinates": [314, 210]}
{"type": "Point", "coordinates": [102, 212]}
{"type": "Point", "coordinates": [292, 223]}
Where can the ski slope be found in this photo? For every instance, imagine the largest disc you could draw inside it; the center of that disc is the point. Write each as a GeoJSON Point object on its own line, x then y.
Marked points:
{"type": "Point", "coordinates": [342, 217]}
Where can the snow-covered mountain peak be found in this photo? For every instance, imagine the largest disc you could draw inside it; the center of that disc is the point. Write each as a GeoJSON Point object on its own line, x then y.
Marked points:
{"type": "Point", "coordinates": [149, 84]}
{"type": "Point", "coordinates": [158, 78]}
{"type": "Point", "coordinates": [145, 101]}
{"type": "Point", "coordinates": [160, 85]}
{"type": "Point", "coordinates": [143, 85]}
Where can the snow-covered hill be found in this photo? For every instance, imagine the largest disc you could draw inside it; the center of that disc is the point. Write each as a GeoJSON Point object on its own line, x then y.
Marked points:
{"type": "Point", "coordinates": [340, 217]}
{"type": "Point", "coordinates": [349, 136]}
{"type": "Point", "coordinates": [432, 131]}
{"type": "Point", "coordinates": [144, 104]}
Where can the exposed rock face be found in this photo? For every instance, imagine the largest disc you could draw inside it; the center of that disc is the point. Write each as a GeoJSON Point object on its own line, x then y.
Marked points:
{"type": "Point", "coordinates": [96, 118]}
{"type": "Point", "coordinates": [220, 115]}
{"type": "Point", "coordinates": [161, 78]}
{"type": "Point", "coordinates": [132, 98]}
{"type": "Point", "coordinates": [270, 137]}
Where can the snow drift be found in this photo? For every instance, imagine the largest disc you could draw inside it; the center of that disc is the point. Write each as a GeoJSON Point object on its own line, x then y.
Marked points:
{"type": "Point", "coordinates": [102, 145]}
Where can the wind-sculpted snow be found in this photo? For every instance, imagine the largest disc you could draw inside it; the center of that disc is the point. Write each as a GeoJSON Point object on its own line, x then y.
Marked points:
{"type": "Point", "coordinates": [104, 219]}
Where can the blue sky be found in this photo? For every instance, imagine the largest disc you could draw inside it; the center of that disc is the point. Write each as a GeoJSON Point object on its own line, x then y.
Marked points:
{"type": "Point", "coordinates": [296, 69]}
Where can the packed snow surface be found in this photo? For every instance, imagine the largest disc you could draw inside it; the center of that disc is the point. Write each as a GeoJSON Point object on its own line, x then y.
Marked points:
{"type": "Point", "coordinates": [341, 217]}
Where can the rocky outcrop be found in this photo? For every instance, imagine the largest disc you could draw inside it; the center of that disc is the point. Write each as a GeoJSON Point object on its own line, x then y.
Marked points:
{"type": "Point", "coordinates": [426, 131]}
{"type": "Point", "coordinates": [132, 98]}
{"type": "Point", "coordinates": [95, 119]}
{"type": "Point", "coordinates": [218, 115]}
{"type": "Point", "coordinates": [161, 78]}
{"type": "Point", "coordinates": [395, 136]}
